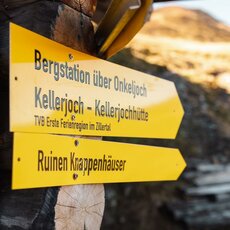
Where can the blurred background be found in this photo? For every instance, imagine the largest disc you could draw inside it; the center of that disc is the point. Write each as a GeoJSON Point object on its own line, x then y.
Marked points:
{"type": "Point", "coordinates": [187, 42]}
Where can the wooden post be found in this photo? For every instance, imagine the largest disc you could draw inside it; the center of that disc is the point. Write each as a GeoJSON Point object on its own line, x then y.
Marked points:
{"type": "Point", "coordinates": [70, 207]}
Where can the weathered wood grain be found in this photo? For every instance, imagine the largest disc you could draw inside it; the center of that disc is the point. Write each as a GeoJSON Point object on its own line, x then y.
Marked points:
{"type": "Point", "coordinates": [87, 7]}
{"type": "Point", "coordinates": [205, 202]}
{"type": "Point", "coordinates": [213, 178]}
{"type": "Point", "coordinates": [79, 207]}
{"type": "Point", "coordinates": [26, 209]}
{"type": "Point", "coordinates": [201, 215]}
{"type": "Point", "coordinates": [12, 4]}
{"type": "Point", "coordinates": [73, 29]}
{"type": "Point", "coordinates": [51, 19]}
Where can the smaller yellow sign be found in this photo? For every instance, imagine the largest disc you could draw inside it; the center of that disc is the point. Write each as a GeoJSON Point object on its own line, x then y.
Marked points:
{"type": "Point", "coordinates": [43, 160]}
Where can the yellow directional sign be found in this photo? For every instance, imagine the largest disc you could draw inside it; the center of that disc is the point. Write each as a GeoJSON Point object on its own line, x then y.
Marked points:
{"type": "Point", "coordinates": [120, 24]}
{"type": "Point", "coordinates": [116, 18]}
{"type": "Point", "coordinates": [43, 160]}
{"type": "Point", "coordinates": [55, 89]}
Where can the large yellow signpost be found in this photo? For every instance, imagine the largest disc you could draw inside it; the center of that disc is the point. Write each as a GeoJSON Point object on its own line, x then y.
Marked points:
{"type": "Point", "coordinates": [57, 90]}
{"type": "Point", "coordinates": [43, 160]}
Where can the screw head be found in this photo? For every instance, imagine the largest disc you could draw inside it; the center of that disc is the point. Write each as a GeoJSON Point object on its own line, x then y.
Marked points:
{"type": "Point", "coordinates": [73, 117]}
{"type": "Point", "coordinates": [76, 143]}
{"type": "Point", "coordinates": [75, 176]}
{"type": "Point", "coordinates": [70, 57]}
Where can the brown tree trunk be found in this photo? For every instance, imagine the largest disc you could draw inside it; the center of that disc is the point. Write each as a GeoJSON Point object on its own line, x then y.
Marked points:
{"type": "Point", "coordinates": [73, 207]}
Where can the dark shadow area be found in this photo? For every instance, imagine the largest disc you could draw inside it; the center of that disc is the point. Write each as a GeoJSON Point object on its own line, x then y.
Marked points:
{"type": "Point", "coordinates": [201, 139]}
